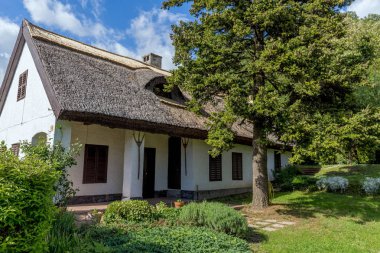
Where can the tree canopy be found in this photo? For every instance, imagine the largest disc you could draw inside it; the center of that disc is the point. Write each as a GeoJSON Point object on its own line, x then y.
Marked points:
{"type": "Point", "coordinates": [281, 66]}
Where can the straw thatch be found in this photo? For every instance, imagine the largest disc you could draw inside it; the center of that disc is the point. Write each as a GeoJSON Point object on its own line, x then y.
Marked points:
{"type": "Point", "coordinates": [98, 87]}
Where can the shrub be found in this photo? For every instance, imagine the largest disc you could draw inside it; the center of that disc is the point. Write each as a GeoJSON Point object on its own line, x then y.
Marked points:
{"type": "Point", "coordinates": [170, 215]}
{"type": "Point", "coordinates": [284, 178]}
{"type": "Point", "coordinates": [160, 240]}
{"type": "Point", "coordinates": [60, 159]}
{"type": "Point", "coordinates": [216, 216]}
{"type": "Point", "coordinates": [129, 211]}
{"type": "Point", "coordinates": [63, 234]}
{"type": "Point", "coordinates": [303, 183]}
{"type": "Point", "coordinates": [371, 186]}
{"type": "Point", "coordinates": [26, 206]}
{"type": "Point", "coordinates": [333, 184]}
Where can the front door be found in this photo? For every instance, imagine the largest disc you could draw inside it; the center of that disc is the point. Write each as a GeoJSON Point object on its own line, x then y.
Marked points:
{"type": "Point", "coordinates": [149, 172]}
{"type": "Point", "coordinates": [174, 169]}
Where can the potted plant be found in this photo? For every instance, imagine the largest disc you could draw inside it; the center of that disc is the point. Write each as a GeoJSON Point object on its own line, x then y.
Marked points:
{"type": "Point", "coordinates": [179, 203]}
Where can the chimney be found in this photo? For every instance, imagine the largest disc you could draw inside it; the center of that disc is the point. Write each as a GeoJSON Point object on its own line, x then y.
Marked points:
{"type": "Point", "coordinates": [153, 59]}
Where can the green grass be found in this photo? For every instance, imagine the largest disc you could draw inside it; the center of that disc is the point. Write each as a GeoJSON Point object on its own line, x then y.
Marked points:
{"type": "Point", "coordinates": [354, 173]}
{"type": "Point", "coordinates": [326, 222]}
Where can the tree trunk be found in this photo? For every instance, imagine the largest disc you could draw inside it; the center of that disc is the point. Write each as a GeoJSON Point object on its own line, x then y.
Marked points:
{"type": "Point", "coordinates": [260, 195]}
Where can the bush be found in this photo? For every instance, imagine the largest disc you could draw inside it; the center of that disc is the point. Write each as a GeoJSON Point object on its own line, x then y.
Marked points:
{"type": "Point", "coordinates": [159, 240]}
{"type": "Point", "coordinates": [284, 178]}
{"type": "Point", "coordinates": [371, 186]}
{"type": "Point", "coordinates": [333, 184]}
{"type": "Point", "coordinates": [170, 215]}
{"type": "Point", "coordinates": [26, 207]}
{"type": "Point", "coordinates": [303, 183]}
{"type": "Point", "coordinates": [63, 234]}
{"type": "Point", "coordinates": [129, 211]}
{"type": "Point", "coordinates": [216, 216]}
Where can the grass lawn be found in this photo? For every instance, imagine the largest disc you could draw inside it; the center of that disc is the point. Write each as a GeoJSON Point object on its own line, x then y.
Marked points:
{"type": "Point", "coordinates": [324, 222]}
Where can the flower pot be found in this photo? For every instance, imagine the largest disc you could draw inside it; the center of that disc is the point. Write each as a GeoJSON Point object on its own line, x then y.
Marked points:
{"type": "Point", "coordinates": [178, 204]}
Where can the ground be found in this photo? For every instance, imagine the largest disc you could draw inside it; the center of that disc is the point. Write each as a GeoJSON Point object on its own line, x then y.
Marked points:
{"type": "Point", "coordinates": [318, 221]}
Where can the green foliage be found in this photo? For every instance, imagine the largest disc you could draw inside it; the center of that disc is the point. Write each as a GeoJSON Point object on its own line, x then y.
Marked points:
{"type": "Point", "coordinates": [60, 159]}
{"type": "Point", "coordinates": [63, 236]}
{"type": "Point", "coordinates": [26, 206]}
{"type": "Point", "coordinates": [290, 179]}
{"type": "Point", "coordinates": [129, 211]}
{"type": "Point", "coordinates": [168, 214]}
{"type": "Point", "coordinates": [216, 216]}
{"type": "Point", "coordinates": [159, 240]}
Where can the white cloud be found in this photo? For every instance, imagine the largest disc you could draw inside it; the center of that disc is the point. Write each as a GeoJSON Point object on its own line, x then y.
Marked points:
{"type": "Point", "coordinates": [55, 13]}
{"type": "Point", "coordinates": [365, 7]}
{"type": "Point", "coordinates": [150, 32]}
{"type": "Point", "coordinates": [8, 35]}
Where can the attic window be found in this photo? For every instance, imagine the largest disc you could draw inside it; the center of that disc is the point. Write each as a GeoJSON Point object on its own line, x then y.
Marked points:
{"type": "Point", "coordinates": [22, 81]}
{"type": "Point", "coordinates": [159, 91]}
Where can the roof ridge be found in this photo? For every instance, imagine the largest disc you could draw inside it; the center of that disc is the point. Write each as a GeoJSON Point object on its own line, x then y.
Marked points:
{"type": "Point", "coordinates": [61, 40]}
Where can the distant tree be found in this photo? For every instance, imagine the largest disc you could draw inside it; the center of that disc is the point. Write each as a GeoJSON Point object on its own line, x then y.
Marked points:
{"type": "Point", "coordinates": [279, 65]}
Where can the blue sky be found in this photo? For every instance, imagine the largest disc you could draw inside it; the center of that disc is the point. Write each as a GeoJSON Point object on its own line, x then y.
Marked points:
{"type": "Point", "coordinates": [126, 27]}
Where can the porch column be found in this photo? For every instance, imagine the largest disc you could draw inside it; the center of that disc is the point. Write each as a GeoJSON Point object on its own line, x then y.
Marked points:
{"type": "Point", "coordinates": [132, 185]}
{"type": "Point", "coordinates": [62, 133]}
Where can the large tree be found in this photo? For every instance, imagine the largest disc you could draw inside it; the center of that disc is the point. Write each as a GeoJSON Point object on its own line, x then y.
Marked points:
{"type": "Point", "coordinates": [275, 63]}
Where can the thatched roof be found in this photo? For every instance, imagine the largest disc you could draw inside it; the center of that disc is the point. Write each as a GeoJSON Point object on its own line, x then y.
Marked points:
{"type": "Point", "coordinates": [94, 86]}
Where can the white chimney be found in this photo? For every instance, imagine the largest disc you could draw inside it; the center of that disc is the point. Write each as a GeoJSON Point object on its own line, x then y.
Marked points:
{"type": "Point", "coordinates": [153, 59]}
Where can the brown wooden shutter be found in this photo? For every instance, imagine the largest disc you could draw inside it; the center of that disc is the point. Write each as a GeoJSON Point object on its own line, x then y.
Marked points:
{"type": "Point", "coordinates": [16, 149]}
{"type": "Point", "coordinates": [95, 164]}
{"type": "Point", "coordinates": [277, 161]}
{"type": "Point", "coordinates": [215, 168]}
{"type": "Point", "coordinates": [22, 82]}
{"type": "Point", "coordinates": [237, 166]}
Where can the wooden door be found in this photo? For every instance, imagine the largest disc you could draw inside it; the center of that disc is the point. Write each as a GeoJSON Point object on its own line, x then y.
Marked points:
{"type": "Point", "coordinates": [174, 169]}
{"type": "Point", "coordinates": [149, 172]}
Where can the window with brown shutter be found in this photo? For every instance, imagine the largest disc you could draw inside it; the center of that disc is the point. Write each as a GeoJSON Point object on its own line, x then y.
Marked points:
{"type": "Point", "coordinates": [95, 164]}
{"type": "Point", "coordinates": [215, 168]}
{"type": "Point", "coordinates": [237, 166]}
{"type": "Point", "coordinates": [22, 81]}
{"type": "Point", "coordinates": [277, 161]}
{"type": "Point", "coordinates": [16, 149]}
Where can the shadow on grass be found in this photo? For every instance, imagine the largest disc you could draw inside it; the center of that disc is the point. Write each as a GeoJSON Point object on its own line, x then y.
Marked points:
{"type": "Point", "coordinates": [311, 205]}
{"type": "Point", "coordinates": [254, 236]}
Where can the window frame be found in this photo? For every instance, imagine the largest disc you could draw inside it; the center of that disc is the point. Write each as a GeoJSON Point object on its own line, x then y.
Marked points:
{"type": "Point", "coordinates": [15, 148]}
{"type": "Point", "coordinates": [237, 175]}
{"type": "Point", "coordinates": [22, 84]}
{"type": "Point", "coordinates": [213, 165]}
{"type": "Point", "coordinates": [86, 178]}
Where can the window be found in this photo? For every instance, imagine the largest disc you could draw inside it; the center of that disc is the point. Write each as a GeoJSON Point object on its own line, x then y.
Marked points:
{"type": "Point", "coordinates": [237, 166]}
{"type": "Point", "coordinates": [16, 149]}
{"type": "Point", "coordinates": [95, 164]}
{"type": "Point", "coordinates": [277, 161]}
{"type": "Point", "coordinates": [215, 168]}
{"type": "Point", "coordinates": [22, 81]}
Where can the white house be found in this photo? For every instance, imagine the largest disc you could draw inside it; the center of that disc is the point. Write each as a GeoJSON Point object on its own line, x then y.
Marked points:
{"type": "Point", "coordinates": [138, 141]}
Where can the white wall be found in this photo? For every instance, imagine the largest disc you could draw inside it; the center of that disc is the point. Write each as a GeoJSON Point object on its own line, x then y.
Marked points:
{"type": "Point", "coordinates": [201, 168]}
{"type": "Point", "coordinates": [21, 120]}
{"type": "Point", "coordinates": [99, 135]}
{"type": "Point", "coordinates": [160, 143]}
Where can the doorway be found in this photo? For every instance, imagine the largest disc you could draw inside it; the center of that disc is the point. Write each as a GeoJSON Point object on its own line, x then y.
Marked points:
{"type": "Point", "coordinates": [174, 163]}
{"type": "Point", "coordinates": [149, 172]}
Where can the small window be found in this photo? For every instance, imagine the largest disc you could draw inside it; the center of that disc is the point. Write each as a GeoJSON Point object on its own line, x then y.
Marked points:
{"type": "Point", "coordinates": [16, 149]}
{"type": "Point", "coordinates": [22, 81]}
{"type": "Point", "coordinates": [237, 166]}
{"type": "Point", "coordinates": [95, 164]}
{"type": "Point", "coordinates": [277, 161]}
{"type": "Point", "coordinates": [215, 168]}
{"type": "Point", "coordinates": [159, 91]}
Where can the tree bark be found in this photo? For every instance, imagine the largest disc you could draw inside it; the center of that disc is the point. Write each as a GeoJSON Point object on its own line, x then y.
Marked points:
{"type": "Point", "coordinates": [260, 195]}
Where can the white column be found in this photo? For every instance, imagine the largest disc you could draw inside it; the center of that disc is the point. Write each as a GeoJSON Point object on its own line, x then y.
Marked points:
{"type": "Point", "coordinates": [132, 186]}
{"type": "Point", "coordinates": [62, 133]}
